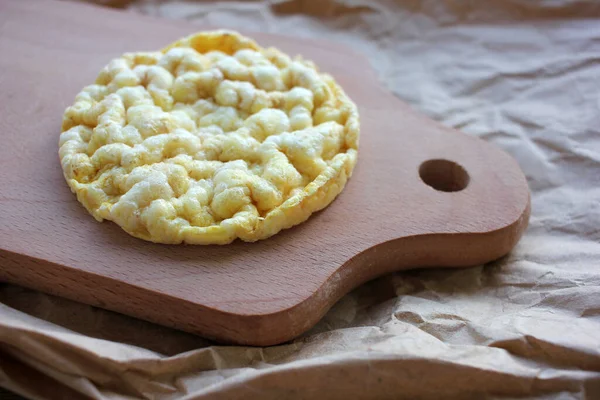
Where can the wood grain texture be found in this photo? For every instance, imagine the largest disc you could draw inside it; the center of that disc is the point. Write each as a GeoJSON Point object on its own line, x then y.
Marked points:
{"type": "Point", "coordinates": [263, 293]}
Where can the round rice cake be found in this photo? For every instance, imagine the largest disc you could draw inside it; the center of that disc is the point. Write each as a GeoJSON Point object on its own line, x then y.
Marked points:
{"type": "Point", "coordinates": [211, 139]}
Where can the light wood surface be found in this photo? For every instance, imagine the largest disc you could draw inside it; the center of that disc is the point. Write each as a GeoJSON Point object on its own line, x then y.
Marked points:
{"type": "Point", "coordinates": [388, 218]}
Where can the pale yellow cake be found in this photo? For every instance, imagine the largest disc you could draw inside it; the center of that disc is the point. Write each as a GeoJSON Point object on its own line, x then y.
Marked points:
{"type": "Point", "coordinates": [211, 139]}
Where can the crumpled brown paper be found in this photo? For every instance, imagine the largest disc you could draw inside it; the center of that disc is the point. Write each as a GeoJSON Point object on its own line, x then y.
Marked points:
{"type": "Point", "coordinates": [524, 75]}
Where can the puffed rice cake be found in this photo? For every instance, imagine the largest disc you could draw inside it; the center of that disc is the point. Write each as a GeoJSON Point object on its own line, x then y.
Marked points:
{"type": "Point", "coordinates": [211, 139]}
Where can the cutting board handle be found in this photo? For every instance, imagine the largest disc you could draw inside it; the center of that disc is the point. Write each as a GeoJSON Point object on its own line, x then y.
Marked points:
{"type": "Point", "coordinates": [465, 202]}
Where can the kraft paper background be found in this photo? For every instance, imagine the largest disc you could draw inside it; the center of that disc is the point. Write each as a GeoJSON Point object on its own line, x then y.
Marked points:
{"type": "Point", "coordinates": [524, 75]}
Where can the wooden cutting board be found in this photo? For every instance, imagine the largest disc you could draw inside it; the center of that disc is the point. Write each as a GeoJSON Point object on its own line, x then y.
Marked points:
{"type": "Point", "coordinates": [422, 195]}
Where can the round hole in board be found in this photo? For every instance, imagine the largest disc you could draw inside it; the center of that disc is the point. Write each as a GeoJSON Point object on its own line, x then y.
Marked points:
{"type": "Point", "coordinates": [444, 175]}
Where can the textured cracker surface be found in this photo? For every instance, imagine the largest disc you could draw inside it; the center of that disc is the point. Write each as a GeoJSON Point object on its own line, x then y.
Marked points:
{"type": "Point", "coordinates": [211, 139]}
